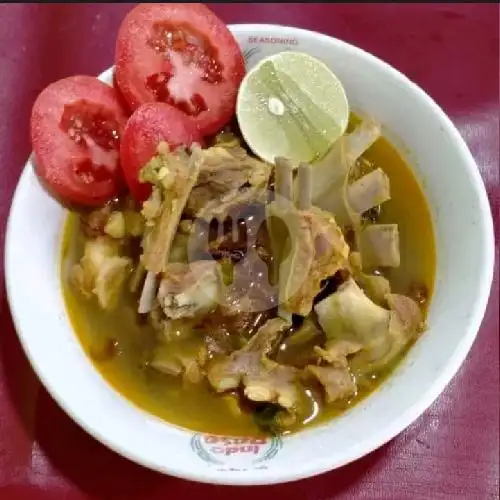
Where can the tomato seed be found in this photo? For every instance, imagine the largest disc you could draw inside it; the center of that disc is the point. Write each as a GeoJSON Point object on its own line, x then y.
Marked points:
{"type": "Point", "coordinates": [194, 51]}
{"type": "Point", "coordinates": [82, 118]}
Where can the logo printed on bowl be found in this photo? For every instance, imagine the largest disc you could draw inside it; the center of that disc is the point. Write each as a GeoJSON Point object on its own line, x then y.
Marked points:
{"type": "Point", "coordinates": [239, 453]}
{"type": "Point", "coordinates": [274, 40]}
{"type": "Point", "coordinates": [258, 44]}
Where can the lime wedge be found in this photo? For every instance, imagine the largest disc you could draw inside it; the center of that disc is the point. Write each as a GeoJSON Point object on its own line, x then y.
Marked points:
{"type": "Point", "coordinates": [290, 104]}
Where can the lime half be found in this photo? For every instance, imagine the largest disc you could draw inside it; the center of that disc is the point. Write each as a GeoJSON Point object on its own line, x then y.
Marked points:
{"type": "Point", "coordinates": [290, 104]}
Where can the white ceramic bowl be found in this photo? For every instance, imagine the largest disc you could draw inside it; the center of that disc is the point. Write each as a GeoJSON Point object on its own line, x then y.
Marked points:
{"type": "Point", "coordinates": [464, 234]}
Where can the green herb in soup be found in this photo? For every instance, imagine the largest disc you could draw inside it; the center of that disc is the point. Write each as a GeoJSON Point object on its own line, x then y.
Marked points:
{"type": "Point", "coordinates": [247, 298]}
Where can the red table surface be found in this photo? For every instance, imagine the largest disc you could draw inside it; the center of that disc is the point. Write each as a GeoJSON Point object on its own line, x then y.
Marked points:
{"type": "Point", "coordinates": [452, 451]}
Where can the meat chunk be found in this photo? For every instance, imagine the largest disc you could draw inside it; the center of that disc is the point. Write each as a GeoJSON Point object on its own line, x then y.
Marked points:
{"type": "Point", "coordinates": [111, 221]}
{"type": "Point", "coordinates": [174, 175]}
{"type": "Point", "coordinates": [379, 245]}
{"type": "Point", "coordinates": [348, 314]}
{"type": "Point", "coordinates": [151, 208]}
{"type": "Point", "coordinates": [337, 382]}
{"type": "Point", "coordinates": [94, 222]}
{"type": "Point", "coordinates": [335, 352]}
{"type": "Point", "coordinates": [318, 251]}
{"type": "Point", "coordinates": [110, 281]}
{"type": "Point", "coordinates": [406, 310]}
{"type": "Point", "coordinates": [102, 271]}
{"type": "Point", "coordinates": [314, 250]}
{"type": "Point", "coordinates": [226, 333]}
{"type": "Point", "coordinates": [294, 255]}
{"type": "Point", "coordinates": [188, 290]}
{"type": "Point", "coordinates": [405, 322]}
{"type": "Point", "coordinates": [115, 225]}
{"type": "Point", "coordinates": [273, 383]}
{"type": "Point", "coordinates": [184, 358]}
{"type": "Point", "coordinates": [262, 379]}
{"type": "Point", "coordinates": [330, 255]}
{"type": "Point", "coordinates": [224, 171]}
{"type": "Point", "coordinates": [267, 336]}
{"type": "Point", "coordinates": [219, 208]}
{"type": "Point", "coordinates": [230, 371]}
{"type": "Point", "coordinates": [369, 191]}
{"type": "Point", "coordinates": [335, 375]}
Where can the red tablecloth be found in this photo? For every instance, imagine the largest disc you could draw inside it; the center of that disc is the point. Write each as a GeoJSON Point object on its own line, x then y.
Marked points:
{"type": "Point", "coordinates": [452, 451]}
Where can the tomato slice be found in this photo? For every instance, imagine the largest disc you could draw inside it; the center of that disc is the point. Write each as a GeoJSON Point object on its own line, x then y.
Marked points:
{"type": "Point", "coordinates": [181, 54]}
{"type": "Point", "coordinates": [121, 99]}
{"type": "Point", "coordinates": [146, 128]}
{"type": "Point", "coordinates": [76, 124]}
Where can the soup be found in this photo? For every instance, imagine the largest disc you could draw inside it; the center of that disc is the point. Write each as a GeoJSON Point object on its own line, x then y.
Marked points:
{"type": "Point", "coordinates": [228, 343]}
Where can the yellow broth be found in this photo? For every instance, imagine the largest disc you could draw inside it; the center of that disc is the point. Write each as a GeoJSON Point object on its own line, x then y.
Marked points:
{"type": "Point", "coordinates": [196, 407]}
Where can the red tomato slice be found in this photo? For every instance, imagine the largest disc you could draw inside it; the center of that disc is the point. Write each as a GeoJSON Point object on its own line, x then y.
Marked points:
{"type": "Point", "coordinates": [76, 124]}
{"type": "Point", "coordinates": [146, 128]}
{"type": "Point", "coordinates": [181, 54]}
{"type": "Point", "coordinates": [123, 101]}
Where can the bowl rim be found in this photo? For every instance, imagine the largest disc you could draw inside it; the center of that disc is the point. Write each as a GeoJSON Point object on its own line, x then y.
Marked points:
{"type": "Point", "coordinates": [402, 421]}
